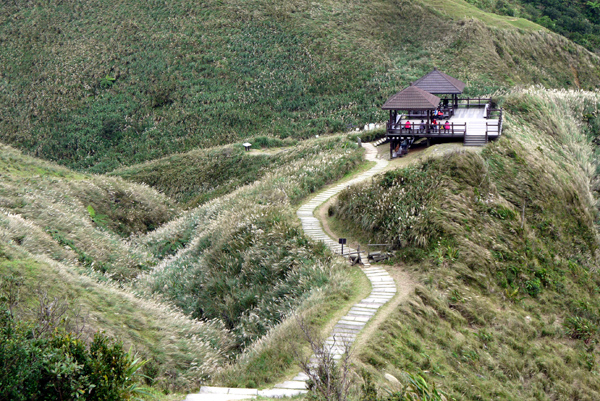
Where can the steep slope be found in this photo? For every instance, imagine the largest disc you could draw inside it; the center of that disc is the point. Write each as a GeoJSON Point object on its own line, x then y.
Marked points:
{"type": "Point", "coordinates": [239, 263]}
{"type": "Point", "coordinates": [179, 350]}
{"type": "Point", "coordinates": [77, 218]}
{"type": "Point", "coordinates": [243, 258]}
{"type": "Point", "coordinates": [95, 85]}
{"type": "Point", "coordinates": [577, 20]}
{"type": "Point", "coordinates": [506, 249]}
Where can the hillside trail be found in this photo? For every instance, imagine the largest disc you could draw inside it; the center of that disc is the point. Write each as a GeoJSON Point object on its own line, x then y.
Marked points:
{"type": "Point", "coordinates": [386, 290]}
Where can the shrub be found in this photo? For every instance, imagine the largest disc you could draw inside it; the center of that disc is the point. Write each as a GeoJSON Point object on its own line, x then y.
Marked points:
{"type": "Point", "coordinates": [59, 366]}
{"type": "Point", "coordinates": [580, 328]}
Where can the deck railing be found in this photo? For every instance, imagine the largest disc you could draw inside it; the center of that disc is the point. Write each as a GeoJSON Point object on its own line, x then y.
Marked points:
{"type": "Point", "coordinates": [493, 113]}
{"type": "Point", "coordinates": [473, 101]}
{"type": "Point", "coordinates": [419, 129]}
{"type": "Point", "coordinates": [494, 127]}
{"type": "Point", "coordinates": [447, 110]}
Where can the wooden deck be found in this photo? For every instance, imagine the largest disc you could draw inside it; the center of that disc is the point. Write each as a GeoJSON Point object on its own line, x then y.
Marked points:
{"type": "Point", "coordinates": [475, 124]}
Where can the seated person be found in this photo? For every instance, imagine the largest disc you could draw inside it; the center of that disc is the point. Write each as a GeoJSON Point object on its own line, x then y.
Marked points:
{"type": "Point", "coordinates": [407, 124]}
{"type": "Point", "coordinates": [422, 126]}
{"type": "Point", "coordinates": [447, 125]}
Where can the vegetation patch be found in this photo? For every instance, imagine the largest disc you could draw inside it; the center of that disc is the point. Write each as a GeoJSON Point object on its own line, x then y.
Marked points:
{"type": "Point", "coordinates": [183, 75]}
{"type": "Point", "coordinates": [506, 248]}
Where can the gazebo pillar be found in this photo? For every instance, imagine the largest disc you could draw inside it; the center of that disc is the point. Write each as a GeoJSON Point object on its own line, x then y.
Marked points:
{"type": "Point", "coordinates": [428, 121]}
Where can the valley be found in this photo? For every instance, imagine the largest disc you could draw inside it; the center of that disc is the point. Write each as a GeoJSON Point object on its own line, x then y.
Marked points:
{"type": "Point", "coordinates": [129, 206]}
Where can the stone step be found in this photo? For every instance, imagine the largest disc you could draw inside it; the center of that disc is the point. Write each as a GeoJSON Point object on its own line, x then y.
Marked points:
{"type": "Point", "coordinates": [292, 385]}
{"type": "Point", "coordinates": [280, 393]}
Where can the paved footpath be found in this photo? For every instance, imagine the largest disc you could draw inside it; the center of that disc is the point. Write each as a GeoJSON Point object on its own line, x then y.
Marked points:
{"type": "Point", "coordinates": [347, 328]}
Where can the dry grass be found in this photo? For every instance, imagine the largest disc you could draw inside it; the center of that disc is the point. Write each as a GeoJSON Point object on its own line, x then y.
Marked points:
{"type": "Point", "coordinates": [240, 262]}
{"type": "Point", "coordinates": [508, 269]}
{"type": "Point", "coordinates": [228, 72]}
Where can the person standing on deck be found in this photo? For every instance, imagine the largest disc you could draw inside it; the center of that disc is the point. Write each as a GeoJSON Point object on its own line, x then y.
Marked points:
{"type": "Point", "coordinates": [407, 125]}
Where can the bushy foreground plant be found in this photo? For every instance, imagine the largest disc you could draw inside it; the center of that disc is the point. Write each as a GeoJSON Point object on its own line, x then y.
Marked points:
{"type": "Point", "coordinates": [41, 360]}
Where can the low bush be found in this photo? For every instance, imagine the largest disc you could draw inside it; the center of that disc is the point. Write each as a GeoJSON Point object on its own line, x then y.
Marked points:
{"type": "Point", "coordinates": [41, 360]}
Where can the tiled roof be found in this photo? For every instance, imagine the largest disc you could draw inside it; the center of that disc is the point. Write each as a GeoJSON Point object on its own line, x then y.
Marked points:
{"type": "Point", "coordinates": [438, 82]}
{"type": "Point", "coordinates": [412, 98]}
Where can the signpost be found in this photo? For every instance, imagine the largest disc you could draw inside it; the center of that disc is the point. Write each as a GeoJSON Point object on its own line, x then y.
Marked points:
{"type": "Point", "coordinates": [342, 241]}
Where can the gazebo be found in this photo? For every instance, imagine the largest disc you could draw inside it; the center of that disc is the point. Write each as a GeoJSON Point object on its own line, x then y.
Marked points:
{"type": "Point", "coordinates": [438, 83]}
{"type": "Point", "coordinates": [412, 100]}
{"type": "Point", "coordinates": [416, 110]}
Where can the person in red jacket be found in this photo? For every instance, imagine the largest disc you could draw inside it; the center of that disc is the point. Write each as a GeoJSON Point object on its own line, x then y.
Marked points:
{"type": "Point", "coordinates": [407, 125]}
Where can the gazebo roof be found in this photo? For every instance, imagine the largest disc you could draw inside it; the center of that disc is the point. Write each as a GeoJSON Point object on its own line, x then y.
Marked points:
{"type": "Point", "coordinates": [412, 98]}
{"type": "Point", "coordinates": [438, 82]}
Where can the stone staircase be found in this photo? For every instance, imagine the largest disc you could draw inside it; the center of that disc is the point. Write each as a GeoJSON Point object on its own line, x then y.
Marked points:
{"type": "Point", "coordinates": [348, 327]}
{"type": "Point", "coordinates": [380, 141]}
{"type": "Point", "coordinates": [474, 140]}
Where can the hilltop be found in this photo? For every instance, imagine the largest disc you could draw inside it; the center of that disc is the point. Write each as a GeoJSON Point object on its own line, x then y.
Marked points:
{"type": "Point", "coordinates": [95, 86]}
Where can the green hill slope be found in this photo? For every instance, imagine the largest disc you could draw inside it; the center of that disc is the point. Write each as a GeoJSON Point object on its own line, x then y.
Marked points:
{"type": "Point", "coordinates": [577, 20]}
{"type": "Point", "coordinates": [84, 219]}
{"type": "Point", "coordinates": [94, 85]}
{"type": "Point", "coordinates": [506, 248]}
{"type": "Point", "coordinates": [179, 350]}
{"type": "Point", "coordinates": [147, 274]}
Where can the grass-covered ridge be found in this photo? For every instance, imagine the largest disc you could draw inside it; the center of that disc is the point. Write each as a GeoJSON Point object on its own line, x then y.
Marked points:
{"type": "Point", "coordinates": [243, 258]}
{"type": "Point", "coordinates": [192, 291]}
{"type": "Point", "coordinates": [96, 86]}
{"type": "Point", "coordinates": [77, 218]}
{"type": "Point", "coordinates": [506, 249]}
{"type": "Point", "coordinates": [180, 351]}
{"type": "Point", "coordinates": [577, 20]}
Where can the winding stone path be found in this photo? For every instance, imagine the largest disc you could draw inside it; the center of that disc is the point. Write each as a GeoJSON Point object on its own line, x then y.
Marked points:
{"type": "Point", "coordinates": [347, 328]}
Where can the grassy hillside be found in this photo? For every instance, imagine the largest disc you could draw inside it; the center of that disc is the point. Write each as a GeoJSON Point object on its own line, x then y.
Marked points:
{"type": "Point", "coordinates": [577, 20]}
{"type": "Point", "coordinates": [200, 175]}
{"type": "Point", "coordinates": [191, 291]}
{"type": "Point", "coordinates": [506, 249]}
{"type": "Point", "coordinates": [96, 86]}
{"type": "Point", "coordinates": [243, 258]}
{"type": "Point", "coordinates": [77, 218]}
{"type": "Point", "coordinates": [180, 351]}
